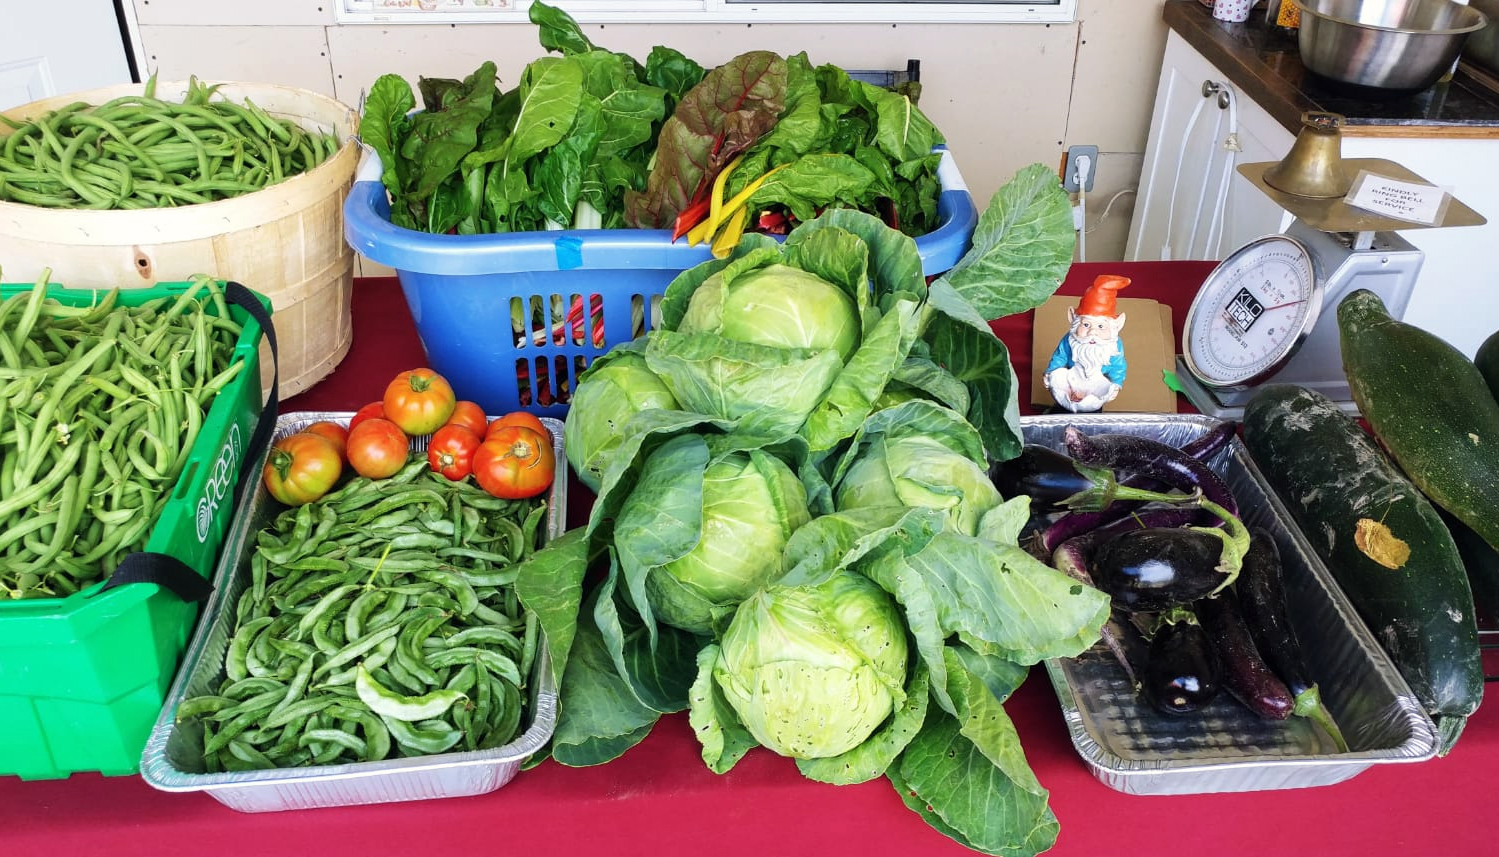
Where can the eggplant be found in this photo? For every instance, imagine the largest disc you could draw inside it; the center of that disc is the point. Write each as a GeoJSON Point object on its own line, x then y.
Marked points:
{"type": "Point", "coordinates": [1072, 558]}
{"type": "Point", "coordinates": [1245, 674]}
{"type": "Point", "coordinates": [1054, 480]}
{"type": "Point", "coordinates": [1202, 447]}
{"type": "Point", "coordinates": [1160, 567]}
{"type": "Point", "coordinates": [1262, 594]}
{"type": "Point", "coordinates": [1182, 671]}
{"type": "Point", "coordinates": [1150, 458]}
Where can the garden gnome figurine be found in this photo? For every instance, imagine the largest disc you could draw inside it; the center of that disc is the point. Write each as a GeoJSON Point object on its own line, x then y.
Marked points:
{"type": "Point", "coordinates": [1087, 369]}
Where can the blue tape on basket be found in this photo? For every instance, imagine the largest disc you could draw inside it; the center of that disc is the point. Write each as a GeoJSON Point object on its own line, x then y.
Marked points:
{"type": "Point", "coordinates": [569, 253]}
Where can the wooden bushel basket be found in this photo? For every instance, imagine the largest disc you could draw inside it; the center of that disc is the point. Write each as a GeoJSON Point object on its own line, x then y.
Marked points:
{"type": "Point", "coordinates": [285, 241]}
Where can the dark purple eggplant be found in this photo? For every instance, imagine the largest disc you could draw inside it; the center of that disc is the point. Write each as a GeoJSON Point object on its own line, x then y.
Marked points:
{"type": "Point", "coordinates": [1245, 673]}
{"type": "Point", "coordinates": [1182, 671]}
{"type": "Point", "coordinates": [1072, 558]}
{"type": "Point", "coordinates": [1150, 458]}
{"type": "Point", "coordinates": [1048, 477]}
{"type": "Point", "coordinates": [1262, 594]}
{"type": "Point", "coordinates": [1202, 447]}
{"type": "Point", "coordinates": [1053, 480]}
{"type": "Point", "coordinates": [1158, 568]}
{"type": "Point", "coordinates": [1161, 567]}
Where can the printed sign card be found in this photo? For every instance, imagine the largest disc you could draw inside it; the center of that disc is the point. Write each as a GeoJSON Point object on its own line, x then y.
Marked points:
{"type": "Point", "coordinates": [1416, 202]}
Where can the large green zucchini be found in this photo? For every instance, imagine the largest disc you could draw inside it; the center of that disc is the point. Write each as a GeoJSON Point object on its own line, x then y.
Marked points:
{"type": "Point", "coordinates": [1486, 358]}
{"type": "Point", "coordinates": [1429, 406]}
{"type": "Point", "coordinates": [1356, 509]}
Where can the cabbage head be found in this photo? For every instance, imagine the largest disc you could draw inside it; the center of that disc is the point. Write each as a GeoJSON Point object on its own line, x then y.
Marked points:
{"type": "Point", "coordinates": [919, 454]}
{"type": "Point", "coordinates": [751, 503]}
{"type": "Point", "coordinates": [776, 305]}
{"type": "Point", "coordinates": [812, 671]}
{"type": "Point", "coordinates": [615, 388]}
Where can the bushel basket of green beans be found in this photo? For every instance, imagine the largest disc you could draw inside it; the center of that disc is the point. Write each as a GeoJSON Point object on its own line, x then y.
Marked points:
{"type": "Point", "coordinates": [140, 151]}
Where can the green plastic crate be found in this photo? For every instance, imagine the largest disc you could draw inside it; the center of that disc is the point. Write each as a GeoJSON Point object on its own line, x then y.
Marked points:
{"type": "Point", "coordinates": [82, 678]}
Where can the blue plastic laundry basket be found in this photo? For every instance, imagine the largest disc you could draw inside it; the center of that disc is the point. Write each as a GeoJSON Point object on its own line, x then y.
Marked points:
{"type": "Point", "coordinates": [463, 290]}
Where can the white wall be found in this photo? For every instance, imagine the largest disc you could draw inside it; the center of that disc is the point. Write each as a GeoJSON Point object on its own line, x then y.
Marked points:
{"type": "Point", "coordinates": [1005, 95]}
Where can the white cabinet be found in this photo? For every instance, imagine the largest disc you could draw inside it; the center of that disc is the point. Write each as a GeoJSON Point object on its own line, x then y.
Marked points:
{"type": "Point", "coordinates": [1183, 212]}
{"type": "Point", "coordinates": [1192, 203]}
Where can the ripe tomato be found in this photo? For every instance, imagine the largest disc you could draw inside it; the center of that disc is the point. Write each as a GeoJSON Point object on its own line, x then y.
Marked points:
{"type": "Point", "coordinates": [451, 451]}
{"type": "Point", "coordinates": [515, 462]}
{"type": "Point", "coordinates": [419, 401]}
{"type": "Point", "coordinates": [301, 468]}
{"type": "Point", "coordinates": [470, 416]}
{"type": "Point", "coordinates": [334, 432]}
{"type": "Point", "coordinates": [519, 418]}
{"type": "Point", "coordinates": [377, 448]}
{"type": "Point", "coordinates": [374, 410]}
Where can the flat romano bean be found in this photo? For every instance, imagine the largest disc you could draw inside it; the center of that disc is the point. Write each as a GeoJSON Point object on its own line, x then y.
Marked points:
{"type": "Point", "coordinates": [357, 649]}
{"type": "Point", "coordinates": [425, 738]}
{"type": "Point", "coordinates": [239, 646]}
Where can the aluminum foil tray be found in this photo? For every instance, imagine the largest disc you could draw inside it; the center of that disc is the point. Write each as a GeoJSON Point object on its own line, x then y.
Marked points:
{"type": "Point", "coordinates": [1132, 748]}
{"type": "Point", "coordinates": [173, 758]}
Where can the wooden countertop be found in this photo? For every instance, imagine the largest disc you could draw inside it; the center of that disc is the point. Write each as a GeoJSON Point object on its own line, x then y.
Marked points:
{"type": "Point", "coordinates": [1264, 64]}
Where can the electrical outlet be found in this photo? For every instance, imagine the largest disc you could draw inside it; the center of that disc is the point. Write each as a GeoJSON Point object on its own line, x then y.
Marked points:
{"type": "Point", "coordinates": [1081, 161]}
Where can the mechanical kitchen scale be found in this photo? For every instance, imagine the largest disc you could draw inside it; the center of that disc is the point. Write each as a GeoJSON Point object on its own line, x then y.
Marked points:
{"type": "Point", "coordinates": [1268, 312]}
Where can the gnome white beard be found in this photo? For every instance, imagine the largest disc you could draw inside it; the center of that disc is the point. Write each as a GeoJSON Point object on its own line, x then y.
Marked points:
{"type": "Point", "coordinates": [1090, 357]}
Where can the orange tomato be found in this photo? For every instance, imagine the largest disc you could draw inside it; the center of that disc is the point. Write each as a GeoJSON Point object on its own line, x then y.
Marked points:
{"type": "Point", "coordinates": [515, 462]}
{"type": "Point", "coordinates": [335, 433]}
{"type": "Point", "coordinates": [374, 410]}
{"type": "Point", "coordinates": [377, 448]}
{"type": "Point", "coordinates": [470, 416]}
{"type": "Point", "coordinates": [301, 468]}
{"type": "Point", "coordinates": [525, 419]}
{"type": "Point", "coordinates": [419, 401]}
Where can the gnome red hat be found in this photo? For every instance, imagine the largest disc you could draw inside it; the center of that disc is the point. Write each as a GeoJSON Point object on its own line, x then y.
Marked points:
{"type": "Point", "coordinates": [1099, 298]}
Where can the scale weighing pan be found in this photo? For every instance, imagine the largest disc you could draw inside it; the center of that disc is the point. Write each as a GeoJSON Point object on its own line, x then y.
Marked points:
{"type": "Point", "coordinates": [1268, 312]}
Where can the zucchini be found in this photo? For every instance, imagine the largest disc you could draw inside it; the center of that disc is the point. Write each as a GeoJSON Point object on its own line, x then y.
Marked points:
{"type": "Point", "coordinates": [1429, 406]}
{"type": "Point", "coordinates": [1356, 510]}
{"type": "Point", "coordinates": [1486, 358]}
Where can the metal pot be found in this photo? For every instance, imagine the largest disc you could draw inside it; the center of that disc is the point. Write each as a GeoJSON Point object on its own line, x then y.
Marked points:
{"type": "Point", "coordinates": [1398, 45]}
{"type": "Point", "coordinates": [1482, 48]}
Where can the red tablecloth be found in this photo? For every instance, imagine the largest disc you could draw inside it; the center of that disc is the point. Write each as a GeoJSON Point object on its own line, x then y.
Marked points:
{"type": "Point", "coordinates": [659, 799]}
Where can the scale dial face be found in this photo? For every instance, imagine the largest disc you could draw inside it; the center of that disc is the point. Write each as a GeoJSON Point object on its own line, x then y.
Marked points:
{"type": "Point", "coordinates": [1252, 312]}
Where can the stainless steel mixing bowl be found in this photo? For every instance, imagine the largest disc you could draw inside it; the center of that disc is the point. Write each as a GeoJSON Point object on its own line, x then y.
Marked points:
{"type": "Point", "coordinates": [1398, 45]}
{"type": "Point", "coordinates": [1482, 47]}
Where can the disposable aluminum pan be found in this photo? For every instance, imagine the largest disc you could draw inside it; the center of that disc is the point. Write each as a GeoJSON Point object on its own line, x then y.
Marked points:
{"type": "Point", "coordinates": [1131, 747]}
{"type": "Point", "coordinates": [173, 758]}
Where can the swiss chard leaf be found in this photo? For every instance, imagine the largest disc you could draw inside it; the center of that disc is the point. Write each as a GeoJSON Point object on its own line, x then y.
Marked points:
{"type": "Point", "coordinates": [439, 140]}
{"type": "Point", "coordinates": [560, 170]}
{"type": "Point", "coordinates": [732, 107]}
{"type": "Point", "coordinates": [813, 182]}
{"type": "Point", "coordinates": [673, 71]}
{"type": "Point", "coordinates": [629, 108]}
{"type": "Point", "coordinates": [384, 125]}
{"type": "Point", "coordinates": [557, 30]}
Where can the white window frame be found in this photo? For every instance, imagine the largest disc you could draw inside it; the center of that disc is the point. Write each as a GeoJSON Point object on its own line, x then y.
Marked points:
{"type": "Point", "coordinates": [717, 11]}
